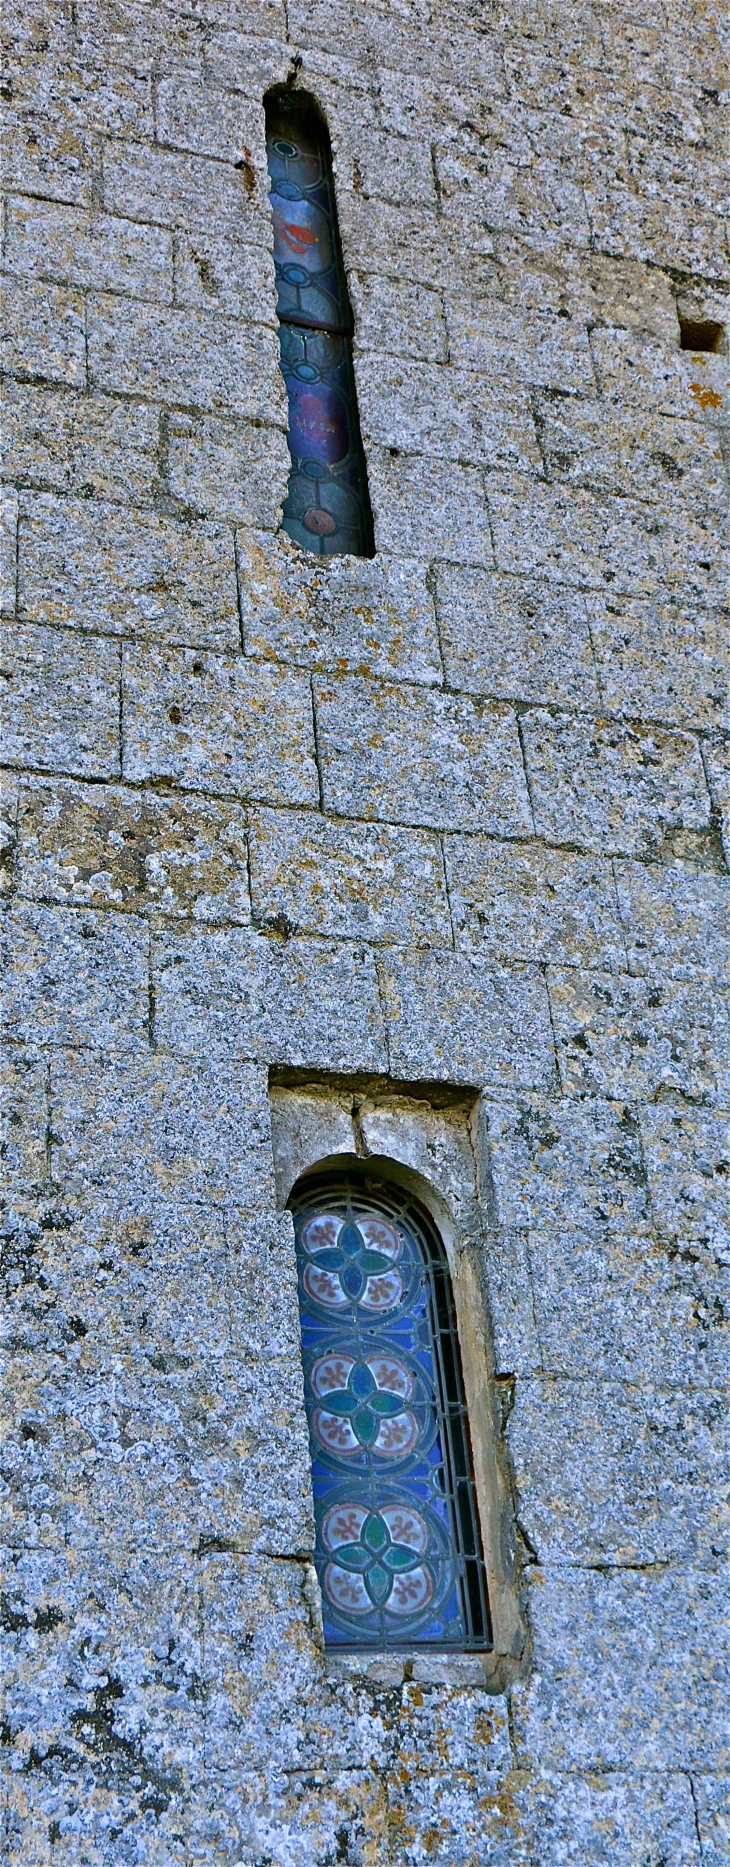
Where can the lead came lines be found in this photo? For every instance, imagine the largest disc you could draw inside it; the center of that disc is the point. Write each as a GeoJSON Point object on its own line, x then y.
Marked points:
{"type": "Point", "coordinates": [398, 1550]}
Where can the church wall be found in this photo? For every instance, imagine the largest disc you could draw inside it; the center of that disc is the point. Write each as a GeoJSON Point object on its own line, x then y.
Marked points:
{"type": "Point", "coordinates": [447, 827]}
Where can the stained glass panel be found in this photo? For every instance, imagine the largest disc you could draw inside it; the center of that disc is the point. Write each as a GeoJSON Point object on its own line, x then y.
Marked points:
{"type": "Point", "coordinates": [398, 1550]}
{"type": "Point", "coordinates": [327, 508]}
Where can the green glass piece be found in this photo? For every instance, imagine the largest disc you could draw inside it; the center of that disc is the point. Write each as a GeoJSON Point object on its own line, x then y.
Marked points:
{"type": "Point", "coordinates": [378, 1584]}
{"type": "Point", "coordinates": [352, 1556]}
{"type": "Point", "coordinates": [374, 1534]}
{"type": "Point", "coordinates": [366, 1426]}
{"type": "Point", "coordinates": [400, 1557]}
{"type": "Point", "coordinates": [385, 1404]}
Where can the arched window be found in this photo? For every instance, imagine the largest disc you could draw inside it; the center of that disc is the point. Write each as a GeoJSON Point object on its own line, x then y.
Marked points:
{"type": "Point", "coordinates": [398, 1550]}
{"type": "Point", "coordinates": [327, 507]}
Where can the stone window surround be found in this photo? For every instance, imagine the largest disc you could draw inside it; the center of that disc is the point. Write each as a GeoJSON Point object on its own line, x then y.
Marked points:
{"type": "Point", "coordinates": [429, 1139]}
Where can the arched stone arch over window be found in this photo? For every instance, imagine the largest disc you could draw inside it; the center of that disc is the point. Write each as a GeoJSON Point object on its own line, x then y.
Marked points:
{"type": "Point", "coordinates": [399, 1549]}
{"type": "Point", "coordinates": [327, 508]}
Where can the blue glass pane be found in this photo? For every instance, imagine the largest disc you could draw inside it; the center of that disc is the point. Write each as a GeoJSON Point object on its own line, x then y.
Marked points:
{"type": "Point", "coordinates": [397, 1544]}
{"type": "Point", "coordinates": [309, 282]}
{"type": "Point", "coordinates": [324, 509]}
{"type": "Point", "coordinates": [327, 508]}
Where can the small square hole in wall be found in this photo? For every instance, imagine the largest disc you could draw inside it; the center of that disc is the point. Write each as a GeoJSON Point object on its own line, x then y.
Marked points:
{"type": "Point", "coordinates": [700, 334]}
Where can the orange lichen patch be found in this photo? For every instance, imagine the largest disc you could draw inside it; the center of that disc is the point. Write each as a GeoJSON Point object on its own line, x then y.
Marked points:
{"type": "Point", "coordinates": [707, 398]}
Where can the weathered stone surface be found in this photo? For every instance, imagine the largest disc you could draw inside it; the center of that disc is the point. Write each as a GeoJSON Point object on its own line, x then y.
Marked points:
{"type": "Point", "coordinates": [617, 1817]}
{"type": "Point", "coordinates": [104, 846]}
{"type": "Point", "coordinates": [236, 472]}
{"type": "Point", "coordinates": [660, 660]}
{"type": "Point", "coordinates": [407, 320]}
{"type": "Point", "coordinates": [639, 1311]}
{"type": "Point", "coordinates": [621, 1036]}
{"type": "Point", "coordinates": [515, 639]}
{"type": "Point", "coordinates": [91, 566]}
{"type": "Point", "coordinates": [675, 921]}
{"type": "Point", "coordinates": [627, 790]}
{"type": "Point", "coordinates": [573, 537]}
{"type": "Point", "coordinates": [266, 998]}
{"type": "Point", "coordinates": [568, 1162]}
{"type": "Point", "coordinates": [660, 1694]}
{"type": "Point", "coordinates": [88, 444]}
{"type": "Point", "coordinates": [717, 767]}
{"type": "Point", "coordinates": [218, 724]}
{"type": "Point", "coordinates": [466, 912]}
{"type": "Point", "coordinates": [61, 701]}
{"type": "Point", "coordinates": [460, 414]}
{"type": "Point", "coordinates": [608, 1475]}
{"type": "Point", "coordinates": [43, 332]}
{"type": "Point", "coordinates": [532, 903]}
{"type": "Point", "coordinates": [463, 767]}
{"type": "Point", "coordinates": [53, 242]}
{"type": "Point", "coordinates": [358, 880]}
{"type": "Point", "coordinates": [8, 551]}
{"type": "Point", "coordinates": [423, 506]}
{"type": "Point", "coordinates": [180, 190]}
{"type": "Point", "coordinates": [450, 1016]}
{"type": "Point", "coordinates": [76, 978]}
{"type": "Point", "coordinates": [187, 357]}
{"type": "Point", "coordinates": [688, 1159]}
{"type": "Point", "coordinates": [371, 617]}
{"type": "Point", "coordinates": [712, 1802]}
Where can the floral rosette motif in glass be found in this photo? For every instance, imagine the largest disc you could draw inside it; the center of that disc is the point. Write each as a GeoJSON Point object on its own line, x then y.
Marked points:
{"type": "Point", "coordinates": [398, 1551]}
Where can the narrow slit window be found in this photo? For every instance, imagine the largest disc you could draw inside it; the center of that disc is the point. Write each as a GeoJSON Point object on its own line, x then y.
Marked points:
{"type": "Point", "coordinates": [398, 1551]}
{"type": "Point", "coordinates": [327, 507]}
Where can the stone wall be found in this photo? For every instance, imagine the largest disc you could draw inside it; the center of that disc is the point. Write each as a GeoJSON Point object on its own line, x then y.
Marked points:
{"type": "Point", "coordinates": [450, 816]}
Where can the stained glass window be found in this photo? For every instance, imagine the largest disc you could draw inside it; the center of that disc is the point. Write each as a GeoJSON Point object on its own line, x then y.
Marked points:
{"type": "Point", "coordinates": [327, 508]}
{"type": "Point", "coordinates": [398, 1549]}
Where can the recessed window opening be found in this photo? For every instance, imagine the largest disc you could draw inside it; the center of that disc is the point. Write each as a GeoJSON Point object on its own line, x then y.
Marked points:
{"type": "Point", "coordinates": [327, 508]}
{"type": "Point", "coordinates": [398, 1550]}
{"type": "Point", "coordinates": [700, 334]}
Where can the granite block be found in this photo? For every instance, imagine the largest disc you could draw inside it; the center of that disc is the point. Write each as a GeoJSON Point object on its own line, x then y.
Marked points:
{"type": "Point", "coordinates": [448, 413]}
{"type": "Point", "coordinates": [687, 1154]}
{"type": "Point", "coordinates": [661, 1641]}
{"type": "Point", "coordinates": [613, 1305]}
{"type": "Point", "coordinates": [8, 550]}
{"type": "Point", "coordinates": [532, 903]}
{"type": "Point", "coordinates": [89, 444]}
{"type": "Point", "coordinates": [88, 565]}
{"type": "Point", "coordinates": [608, 1474]}
{"type": "Point", "coordinates": [97, 251]}
{"type": "Point", "coordinates": [623, 1036]}
{"type": "Point", "coordinates": [43, 332]}
{"type": "Point", "coordinates": [514, 638]}
{"type": "Point", "coordinates": [450, 1016]}
{"type": "Point", "coordinates": [420, 757]}
{"type": "Point", "coordinates": [295, 1002]}
{"type": "Point", "coordinates": [675, 920]}
{"type": "Point", "coordinates": [618, 789]}
{"type": "Point", "coordinates": [407, 320]}
{"type": "Point", "coordinates": [575, 537]}
{"type": "Point", "coordinates": [218, 724]}
{"type": "Point", "coordinates": [61, 701]}
{"type": "Point", "coordinates": [105, 846]}
{"type": "Point", "coordinates": [358, 880]}
{"type": "Point", "coordinates": [185, 357]}
{"type": "Point", "coordinates": [235, 472]}
{"type": "Point", "coordinates": [171, 188]}
{"type": "Point", "coordinates": [426, 507]}
{"type": "Point", "coordinates": [568, 1163]}
{"type": "Point", "coordinates": [663, 660]}
{"type": "Point", "coordinates": [358, 615]}
{"type": "Point", "coordinates": [77, 978]}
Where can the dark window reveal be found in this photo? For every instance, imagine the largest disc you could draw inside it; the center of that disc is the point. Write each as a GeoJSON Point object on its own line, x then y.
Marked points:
{"type": "Point", "coordinates": [398, 1548]}
{"type": "Point", "coordinates": [327, 507]}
